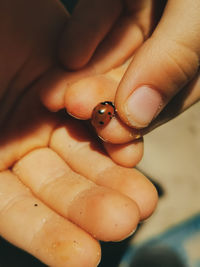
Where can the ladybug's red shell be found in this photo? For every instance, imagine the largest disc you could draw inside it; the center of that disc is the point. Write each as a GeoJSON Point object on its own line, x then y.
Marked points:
{"type": "Point", "coordinates": [102, 114]}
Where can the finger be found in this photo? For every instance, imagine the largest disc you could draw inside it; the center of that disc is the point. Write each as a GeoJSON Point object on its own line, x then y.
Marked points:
{"type": "Point", "coordinates": [163, 65]}
{"type": "Point", "coordinates": [22, 133]}
{"type": "Point", "coordinates": [126, 36]}
{"type": "Point", "coordinates": [117, 132]}
{"type": "Point", "coordinates": [84, 95]}
{"type": "Point", "coordinates": [127, 155]}
{"type": "Point", "coordinates": [76, 198]}
{"type": "Point", "coordinates": [181, 102]}
{"type": "Point", "coordinates": [58, 88]}
{"type": "Point", "coordinates": [27, 223]}
{"type": "Point", "coordinates": [21, 60]}
{"type": "Point", "coordinates": [87, 25]}
{"type": "Point", "coordinates": [104, 172]}
{"type": "Point", "coordinates": [53, 85]}
{"type": "Point", "coordinates": [119, 45]}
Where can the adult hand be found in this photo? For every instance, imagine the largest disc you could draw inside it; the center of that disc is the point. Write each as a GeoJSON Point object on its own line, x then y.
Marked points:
{"type": "Point", "coordinates": [164, 71]}
{"type": "Point", "coordinates": [54, 200]}
{"type": "Point", "coordinates": [52, 203]}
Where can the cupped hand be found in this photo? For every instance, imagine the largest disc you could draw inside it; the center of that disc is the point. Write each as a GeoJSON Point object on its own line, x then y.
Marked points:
{"type": "Point", "coordinates": [162, 79]}
{"type": "Point", "coordinates": [59, 192]}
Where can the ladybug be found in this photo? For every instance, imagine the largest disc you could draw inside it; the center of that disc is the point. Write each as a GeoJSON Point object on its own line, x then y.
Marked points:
{"type": "Point", "coordinates": [102, 114]}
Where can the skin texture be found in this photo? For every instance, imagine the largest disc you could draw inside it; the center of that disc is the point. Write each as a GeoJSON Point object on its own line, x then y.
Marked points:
{"type": "Point", "coordinates": [56, 199]}
{"type": "Point", "coordinates": [167, 60]}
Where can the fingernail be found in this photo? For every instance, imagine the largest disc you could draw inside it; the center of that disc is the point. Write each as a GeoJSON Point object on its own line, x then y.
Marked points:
{"type": "Point", "coordinates": [142, 106]}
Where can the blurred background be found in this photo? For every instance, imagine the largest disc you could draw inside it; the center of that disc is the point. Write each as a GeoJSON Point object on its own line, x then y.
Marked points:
{"type": "Point", "coordinates": [171, 236]}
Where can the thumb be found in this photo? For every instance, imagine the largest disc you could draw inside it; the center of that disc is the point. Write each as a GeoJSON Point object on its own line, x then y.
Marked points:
{"type": "Point", "coordinates": [164, 64]}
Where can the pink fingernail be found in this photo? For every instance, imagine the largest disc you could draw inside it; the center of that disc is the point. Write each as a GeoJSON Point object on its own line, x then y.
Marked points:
{"type": "Point", "coordinates": [142, 106]}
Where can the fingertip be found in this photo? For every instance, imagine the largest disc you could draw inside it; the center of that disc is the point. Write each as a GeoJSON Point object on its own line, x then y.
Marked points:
{"type": "Point", "coordinates": [136, 186]}
{"type": "Point", "coordinates": [116, 132]}
{"type": "Point", "coordinates": [52, 88]}
{"type": "Point", "coordinates": [106, 214]}
{"type": "Point", "coordinates": [127, 155]}
{"type": "Point", "coordinates": [82, 96]}
{"type": "Point", "coordinates": [146, 195]}
{"type": "Point", "coordinates": [76, 45]}
{"type": "Point", "coordinates": [53, 100]}
{"type": "Point", "coordinates": [61, 243]}
{"type": "Point", "coordinates": [150, 203]}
